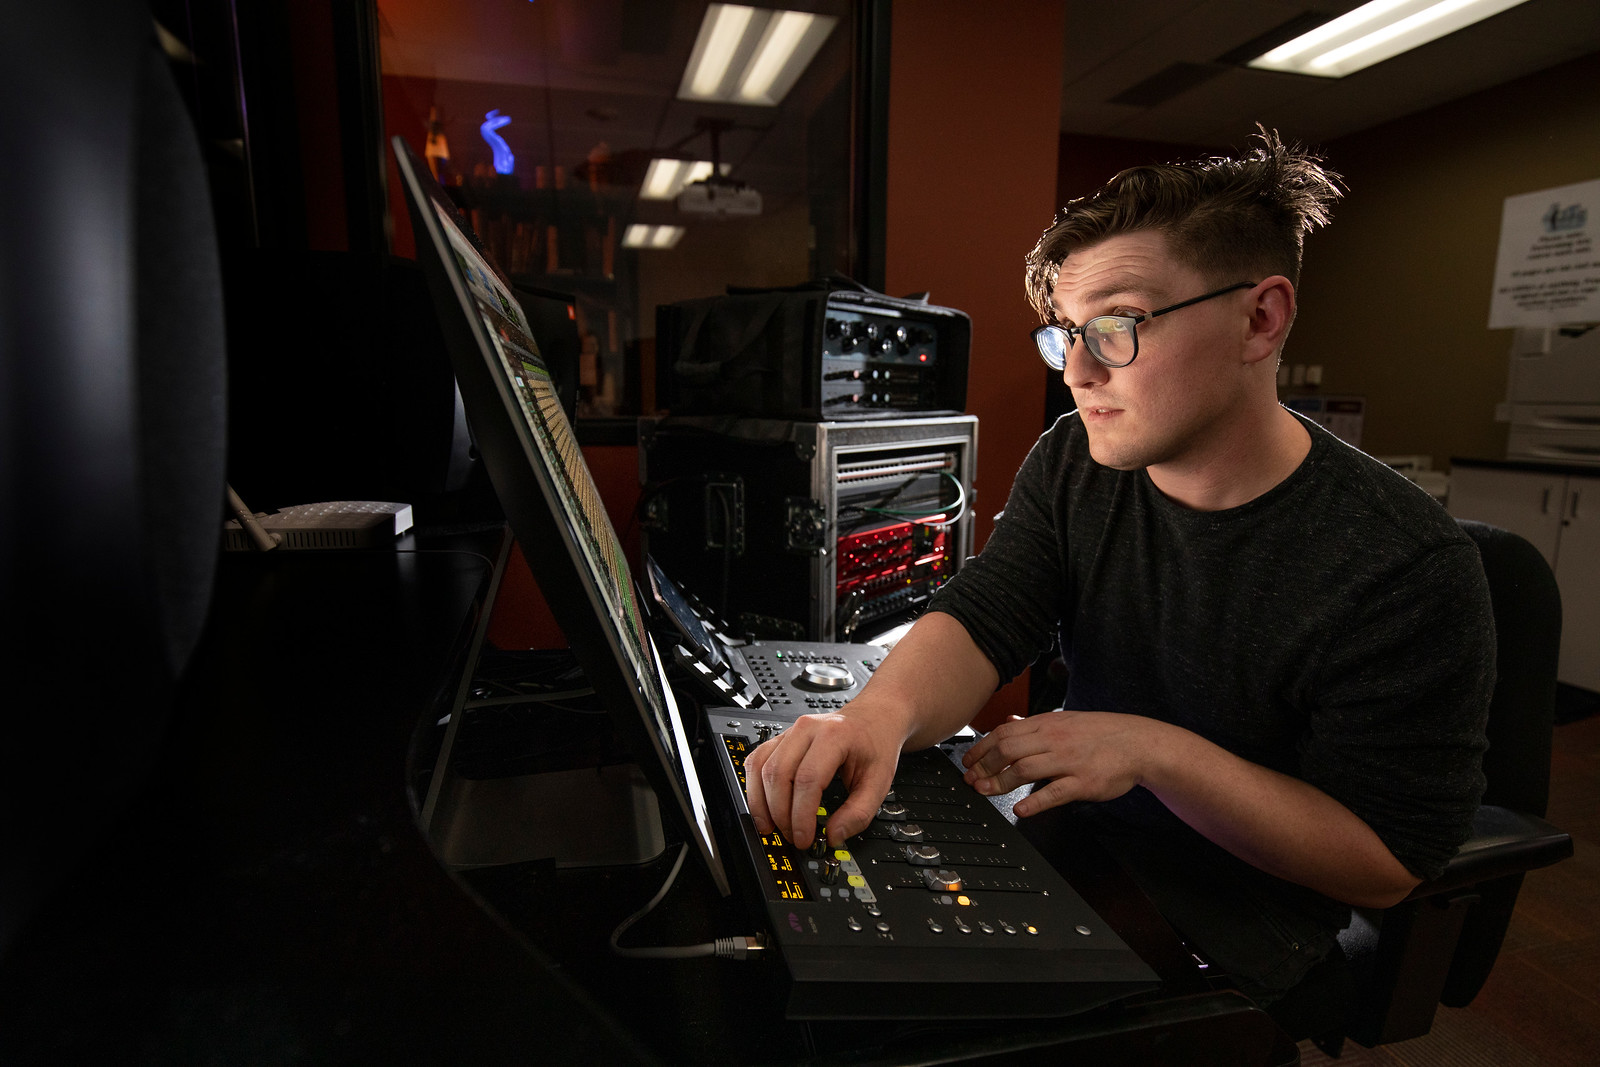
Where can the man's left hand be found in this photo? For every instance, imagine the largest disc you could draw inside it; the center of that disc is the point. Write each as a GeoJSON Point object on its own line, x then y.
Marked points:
{"type": "Point", "coordinates": [1086, 755]}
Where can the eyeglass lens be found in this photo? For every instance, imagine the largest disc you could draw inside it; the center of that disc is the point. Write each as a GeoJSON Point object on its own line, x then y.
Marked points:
{"type": "Point", "coordinates": [1110, 339]}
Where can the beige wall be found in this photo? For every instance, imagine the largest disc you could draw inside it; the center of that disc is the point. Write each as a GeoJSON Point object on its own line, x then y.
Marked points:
{"type": "Point", "coordinates": [1395, 293]}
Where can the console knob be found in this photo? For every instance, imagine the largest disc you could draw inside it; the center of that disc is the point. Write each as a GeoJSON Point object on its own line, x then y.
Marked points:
{"type": "Point", "coordinates": [923, 855]}
{"type": "Point", "coordinates": [825, 677]}
{"type": "Point", "coordinates": [908, 831]}
{"type": "Point", "coordinates": [892, 811]}
{"type": "Point", "coordinates": [830, 870]}
{"type": "Point", "coordinates": [942, 881]}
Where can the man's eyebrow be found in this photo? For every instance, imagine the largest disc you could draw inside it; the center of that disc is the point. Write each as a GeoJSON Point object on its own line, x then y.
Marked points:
{"type": "Point", "coordinates": [1119, 286]}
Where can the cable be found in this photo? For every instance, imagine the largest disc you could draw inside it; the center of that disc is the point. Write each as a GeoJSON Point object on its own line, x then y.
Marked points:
{"type": "Point", "coordinates": [531, 698]}
{"type": "Point", "coordinates": [728, 948]}
{"type": "Point", "coordinates": [923, 516]}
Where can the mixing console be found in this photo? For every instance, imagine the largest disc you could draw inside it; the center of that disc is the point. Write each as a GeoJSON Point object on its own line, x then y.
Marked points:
{"type": "Point", "coordinates": [941, 908]}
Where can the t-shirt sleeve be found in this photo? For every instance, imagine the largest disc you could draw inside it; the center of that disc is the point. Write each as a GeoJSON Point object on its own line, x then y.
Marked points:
{"type": "Point", "coordinates": [1009, 596]}
{"type": "Point", "coordinates": [1397, 731]}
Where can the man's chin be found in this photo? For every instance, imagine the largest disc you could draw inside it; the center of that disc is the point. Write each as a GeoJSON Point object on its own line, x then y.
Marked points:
{"type": "Point", "coordinates": [1102, 452]}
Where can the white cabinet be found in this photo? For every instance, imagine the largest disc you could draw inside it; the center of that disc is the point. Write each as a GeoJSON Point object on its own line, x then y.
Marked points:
{"type": "Point", "coordinates": [1560, 514]}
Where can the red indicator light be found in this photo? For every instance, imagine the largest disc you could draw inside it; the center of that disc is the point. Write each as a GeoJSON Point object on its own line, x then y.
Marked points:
{"type": "Point", "coordinates": [922, 357]}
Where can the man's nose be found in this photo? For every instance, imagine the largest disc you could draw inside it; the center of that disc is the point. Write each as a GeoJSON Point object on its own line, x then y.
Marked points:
{"type": "Point", "coordinates": [1081, 368]}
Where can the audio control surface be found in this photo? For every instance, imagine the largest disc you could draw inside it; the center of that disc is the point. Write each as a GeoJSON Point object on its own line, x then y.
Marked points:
{"type": "Point", "coordinates": [802, 676]}
{"type": "Point", "coordinates": [941, 908]}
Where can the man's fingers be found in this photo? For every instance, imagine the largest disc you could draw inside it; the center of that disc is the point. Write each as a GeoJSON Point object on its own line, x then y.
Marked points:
{"type": "Point", "coordinates": [856, 813]}
{"type": "Point", "coordinates": [811, 777]}
{"type": "Point", "coordinates": [755, 794]}
{"type": "Point", "coordinates": [1047, 796]}
{"type": "Point", "coordinates": [998, 748]}
{"type": "Point", "coordinates": [777, 776]}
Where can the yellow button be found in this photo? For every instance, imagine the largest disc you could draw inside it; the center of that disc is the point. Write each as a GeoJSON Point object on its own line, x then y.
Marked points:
{"type": "Point", "coordinates": [822, 813]}
{"type": "Point", "coordinates": [842, 855]}
{"type": "Point", "coordinates": [857, 881]}
{"type": "Point", "coordinates": [963, 900]}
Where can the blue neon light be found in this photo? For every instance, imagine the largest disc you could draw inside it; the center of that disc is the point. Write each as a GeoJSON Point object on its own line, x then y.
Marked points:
{"type": "Point", "coordinates": [504, 161]}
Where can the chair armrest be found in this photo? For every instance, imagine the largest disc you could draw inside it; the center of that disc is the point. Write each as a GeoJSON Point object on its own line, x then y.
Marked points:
{"type": "Point", "coordinates": [1503, 842]}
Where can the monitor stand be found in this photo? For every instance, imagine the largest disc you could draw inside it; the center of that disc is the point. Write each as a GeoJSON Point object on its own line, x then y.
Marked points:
{"type": "Point", "coordinates": [584, 817]}
{"type": "Point", "coordinates": [587, 810]}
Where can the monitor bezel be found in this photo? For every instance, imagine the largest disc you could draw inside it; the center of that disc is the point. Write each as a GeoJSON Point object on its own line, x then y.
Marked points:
{"type": "Point", "coordinates": [532, 504]}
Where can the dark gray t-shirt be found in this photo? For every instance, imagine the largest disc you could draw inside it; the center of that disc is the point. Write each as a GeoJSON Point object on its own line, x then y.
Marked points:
{"type": "Point", "coordinates": [1336, 628]}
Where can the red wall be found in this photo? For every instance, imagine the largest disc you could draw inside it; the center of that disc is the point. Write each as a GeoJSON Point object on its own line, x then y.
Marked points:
{"type": "Point", "coordinates": [974, 115]}
{"type": "Point", "coordinates": [521, 617]}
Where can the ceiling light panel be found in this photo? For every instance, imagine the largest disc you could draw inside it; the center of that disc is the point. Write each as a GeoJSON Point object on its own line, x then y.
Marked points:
{"type": "Point", "coordinates": [1374, 32]}
{"type": "Point", "coordinates": [642, 236]}
{"type": "Point", "coordinates": [664, 179]}
{"type": "Point", "coordinates": [751, 55]}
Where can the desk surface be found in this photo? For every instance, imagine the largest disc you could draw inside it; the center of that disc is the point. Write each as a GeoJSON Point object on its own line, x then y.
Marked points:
{"type": "Point", "coordinates": [268, 897]}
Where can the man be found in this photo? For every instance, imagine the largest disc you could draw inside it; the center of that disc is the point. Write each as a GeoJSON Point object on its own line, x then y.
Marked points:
{"type": "Point", "coordinates": [1280, 652]}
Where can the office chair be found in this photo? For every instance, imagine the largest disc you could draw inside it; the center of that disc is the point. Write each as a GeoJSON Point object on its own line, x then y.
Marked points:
{"type": "Point", "coordinates": [1438, 945]}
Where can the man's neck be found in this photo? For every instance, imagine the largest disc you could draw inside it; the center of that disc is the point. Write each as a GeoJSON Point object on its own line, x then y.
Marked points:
{"type": "Point", "coordinates": [1237, 467]}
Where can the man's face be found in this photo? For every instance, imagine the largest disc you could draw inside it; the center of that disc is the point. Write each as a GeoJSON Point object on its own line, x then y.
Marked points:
{"type": "Point", "coordinates": [1171, 405]}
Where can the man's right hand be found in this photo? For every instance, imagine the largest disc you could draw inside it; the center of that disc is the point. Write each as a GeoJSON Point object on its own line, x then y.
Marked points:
{"type": "Point", "coordinates": [930, 686]}
{"type": "Point", "coordinates": [785, 777]}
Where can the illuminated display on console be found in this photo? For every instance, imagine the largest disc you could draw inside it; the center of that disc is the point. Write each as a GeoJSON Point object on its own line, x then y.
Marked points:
{"type": "Point", "coordinates": [783, 860]}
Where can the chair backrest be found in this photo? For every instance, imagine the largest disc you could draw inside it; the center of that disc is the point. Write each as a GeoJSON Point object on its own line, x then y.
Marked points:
{"type": "Point", "coordinates": [1527, 619]}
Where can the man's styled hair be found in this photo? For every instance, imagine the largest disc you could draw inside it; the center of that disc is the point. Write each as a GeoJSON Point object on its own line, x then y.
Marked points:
{"type": "Point", "coordinates": [1232, 219]}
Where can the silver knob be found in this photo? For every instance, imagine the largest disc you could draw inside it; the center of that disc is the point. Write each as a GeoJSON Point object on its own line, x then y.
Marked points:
{"type": "Point", "coordinates": [825, 677]}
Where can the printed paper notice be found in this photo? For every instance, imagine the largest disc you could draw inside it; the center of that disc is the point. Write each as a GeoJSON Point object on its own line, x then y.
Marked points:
{"type": "Point", "coordinates": [1548, 270]}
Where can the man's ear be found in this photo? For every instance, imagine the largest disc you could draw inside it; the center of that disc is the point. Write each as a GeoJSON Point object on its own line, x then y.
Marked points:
{"type": "Point", "coordinates": [1271, 315]}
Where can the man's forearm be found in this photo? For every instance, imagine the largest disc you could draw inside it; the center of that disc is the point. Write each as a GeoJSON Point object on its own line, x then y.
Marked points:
{"type": "Point", "coordinates": [1280, 824]}
{"type": "Point", "coordinates": [1276, 822]}
{"type": "Point", "coordinates": [936, 678]}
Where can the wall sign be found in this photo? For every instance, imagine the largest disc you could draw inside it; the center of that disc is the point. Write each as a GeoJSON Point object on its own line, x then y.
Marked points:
{"type": "Point", "coordinates": [1548, 269]}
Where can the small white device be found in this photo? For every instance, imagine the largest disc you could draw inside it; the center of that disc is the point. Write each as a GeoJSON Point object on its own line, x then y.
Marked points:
{"type": "Point", "coordinates": [330, 524]}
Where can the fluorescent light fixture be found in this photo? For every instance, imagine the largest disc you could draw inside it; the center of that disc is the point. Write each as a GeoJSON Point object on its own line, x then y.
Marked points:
{"type": "Point", "coordinates": [664, 179]}
{"type": "Point", "coordinates": [751, 55]}
{"type": "Point", "coordinates": [638, 235]}
{"type": "Point", "coordinates": [721, 32]}
{"type": "Point", "coordinates": [1373, 32]}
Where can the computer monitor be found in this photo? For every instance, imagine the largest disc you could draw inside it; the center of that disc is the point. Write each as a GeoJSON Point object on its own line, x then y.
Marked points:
{"type": "Point", "coordinates": [549, 497]}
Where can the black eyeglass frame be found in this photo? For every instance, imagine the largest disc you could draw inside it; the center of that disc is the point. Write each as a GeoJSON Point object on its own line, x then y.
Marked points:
{"type": "Point", "coordinates": [1131, 321]}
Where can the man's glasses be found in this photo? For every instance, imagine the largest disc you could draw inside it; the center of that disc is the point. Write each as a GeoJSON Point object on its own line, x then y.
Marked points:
{"type": "Point", "coordinates": [1113, 340]}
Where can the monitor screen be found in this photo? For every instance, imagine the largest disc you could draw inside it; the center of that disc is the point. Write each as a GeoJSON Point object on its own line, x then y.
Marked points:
{"type": "Point", "coordinates": [544, 485]}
